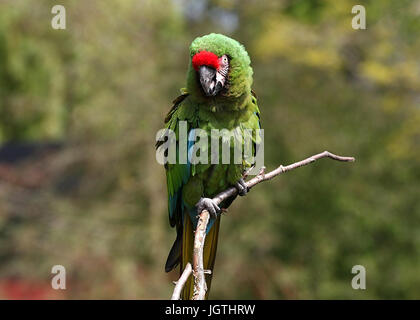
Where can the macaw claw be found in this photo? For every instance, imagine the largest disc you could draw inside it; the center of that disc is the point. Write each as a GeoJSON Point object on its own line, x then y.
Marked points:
{"type": "Point", "coordinates": [209, 205]}
{"type": "Point", "coordinates": [241, 186]}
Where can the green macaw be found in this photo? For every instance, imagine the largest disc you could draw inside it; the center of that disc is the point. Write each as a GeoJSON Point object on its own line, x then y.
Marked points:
{"type": "Point", "coordinates": [218, 95]}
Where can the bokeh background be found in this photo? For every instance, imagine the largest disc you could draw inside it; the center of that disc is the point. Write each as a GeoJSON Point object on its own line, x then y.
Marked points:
{"type": "Point", "coordinates": [80, 186]}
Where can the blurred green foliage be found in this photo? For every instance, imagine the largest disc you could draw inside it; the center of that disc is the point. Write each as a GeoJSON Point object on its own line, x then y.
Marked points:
{"type": "Point", "coordinates": [101, 88]}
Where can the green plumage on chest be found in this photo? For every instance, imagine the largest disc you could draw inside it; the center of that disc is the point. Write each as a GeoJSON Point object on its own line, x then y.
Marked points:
{"type": "Point", "coordinates": [231, 128]}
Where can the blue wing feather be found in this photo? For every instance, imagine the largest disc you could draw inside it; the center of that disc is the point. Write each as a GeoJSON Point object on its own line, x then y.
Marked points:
{"type": "Point", "coordinates": [177, 174]}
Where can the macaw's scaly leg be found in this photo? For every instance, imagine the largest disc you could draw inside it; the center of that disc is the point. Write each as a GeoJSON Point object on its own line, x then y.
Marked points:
{"type": "Point", "coordinates": [209, 205]}
{"type": "Point", "coordinates": [241, 186]}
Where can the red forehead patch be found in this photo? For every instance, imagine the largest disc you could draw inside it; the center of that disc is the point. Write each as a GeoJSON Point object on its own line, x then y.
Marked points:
{"type": "Point", "coordinates": [205, 58]}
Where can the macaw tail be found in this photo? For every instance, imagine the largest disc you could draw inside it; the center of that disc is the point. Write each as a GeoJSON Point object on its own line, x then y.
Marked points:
{"type": "Point", "coordinates": [209, 254]}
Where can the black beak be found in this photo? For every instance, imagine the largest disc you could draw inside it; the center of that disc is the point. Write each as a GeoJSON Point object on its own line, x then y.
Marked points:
{"type": "Point", "coordinates": [208, 81]}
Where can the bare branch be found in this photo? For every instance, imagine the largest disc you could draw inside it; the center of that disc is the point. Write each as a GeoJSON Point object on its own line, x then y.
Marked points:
{"type": "Point", "coordinates": [181, 282]}
{"type": "Point", "coordinates": [262, 176]}
{"type": "Point", "coordinates": [200, 286]}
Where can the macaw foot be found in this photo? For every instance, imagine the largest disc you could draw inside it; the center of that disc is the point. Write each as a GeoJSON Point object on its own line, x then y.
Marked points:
{"type": "Point", "coordinates": [241, 186]}
{"type": "Point", "coordinates": [209, 205]}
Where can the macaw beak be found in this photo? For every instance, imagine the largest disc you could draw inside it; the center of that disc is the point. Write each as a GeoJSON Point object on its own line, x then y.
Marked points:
{"type": "Point", "coordinates": [209, 83]}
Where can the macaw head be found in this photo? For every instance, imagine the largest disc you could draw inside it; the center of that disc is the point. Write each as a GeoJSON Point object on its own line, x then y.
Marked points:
{"type": "Point", "coordinates": [212, 71]}
{"type": "Point", "coordinates": [219, 68]}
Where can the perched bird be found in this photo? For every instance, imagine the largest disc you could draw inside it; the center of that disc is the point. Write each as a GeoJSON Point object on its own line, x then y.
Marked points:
{"type": "Point", "coordinates": [217, 96]}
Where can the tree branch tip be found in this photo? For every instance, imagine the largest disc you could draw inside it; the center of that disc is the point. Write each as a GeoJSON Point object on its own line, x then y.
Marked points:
{"type": "Point", "coordinates": [246, 173]}
{"type": "Point", "coordinates": [337, 157]}
{"type": "Point", "coordinates": [262, 171]}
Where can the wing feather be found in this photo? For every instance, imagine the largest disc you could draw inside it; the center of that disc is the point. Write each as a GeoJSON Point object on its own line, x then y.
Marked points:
{"type": "Point", "coordinates": [177, 175]}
